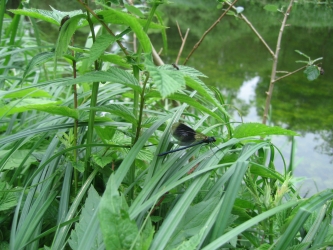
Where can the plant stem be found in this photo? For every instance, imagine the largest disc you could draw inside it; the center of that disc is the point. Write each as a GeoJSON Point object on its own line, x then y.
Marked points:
{"type": "Point", "coordinates": [275, 61]}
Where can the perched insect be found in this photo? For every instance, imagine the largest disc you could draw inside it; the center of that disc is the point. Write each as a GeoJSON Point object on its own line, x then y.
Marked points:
{"type": "Point", "coordinates": [187, 136]}
{"type": "Point", "coordinates": [63, 20]}
{"type": "Point", "coordinates": [175, 66]}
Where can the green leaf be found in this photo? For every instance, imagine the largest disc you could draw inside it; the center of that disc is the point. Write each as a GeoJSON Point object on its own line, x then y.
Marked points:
{"type": "Point", "coordinates": [102, 161]}
{"type": "Point", "coordinates": [36, 61]}
{"type": "Point", "coordinates": [16, 159]}
{"type": "Point", "coordinates": [87, 233]}
{"type": "Point", "coordinates": [194, 103]}
{"type": "Point", "coordinates": [79, 166]}
{"type": "Point", "coordinates": [271, 7]}
{"type": "Point", "coordinates": [119, 231]}
{"type": "Point", "coordinates": [66, 32]}
{"type": "Point", "coordinates": [119, 17]}
{"type": "Point", "coordinates": [113, 75]}
{"type": "Point", "coordinates": [116, 59]}
{"type": "Point", "coordinates": [31, 92]}
{"type": "Point", "coordinates": [312, 72]}
{"type": "Point", "coordinates": [134, 10]}
{"type": "Point", "coordinates": [100, 45]}
{"type": "Point", "coordinates": [195, 218]}
{"type": "Point", "coordinates": [51, 107]}
{"type": "Point", "coordinates": [258, 129]}
{"type": "Point", "coordinates": [119, 110]}
{"type": "Point", "coordinates": [54, 16]}
{"type": "Point", "coordinates": [8, 199]}
{"type": "Point", "coordinates": [166, 81]}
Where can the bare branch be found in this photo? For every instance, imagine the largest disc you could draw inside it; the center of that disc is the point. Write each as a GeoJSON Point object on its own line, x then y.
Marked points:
{"type": "Point", "coordinates": [207, 31]}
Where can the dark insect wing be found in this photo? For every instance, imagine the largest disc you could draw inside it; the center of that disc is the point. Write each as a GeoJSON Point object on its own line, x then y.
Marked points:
{"type": "Point", "coordinates": [186, 135]}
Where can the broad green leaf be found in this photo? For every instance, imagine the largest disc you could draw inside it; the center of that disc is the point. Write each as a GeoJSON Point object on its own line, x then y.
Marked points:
{"type": "Point", "coordinates": [66, 32]}
{"type": "Point", "coordinates": [147, 235]}
{"type": "Point", "coordinates": [312, 72]}
{"type": "Point", "coordinates": [113, 75]}
{"type": "Point", "coordinates": [100, 45]}
{"type": "Point", "coordinates": [119, 231]}
{"type": "Point", "coordinates": [166, 81]}
{"type": "Point", "coordinates": [193, 242]}
{"type": "Point", "coordinates": [87, 233]}
{"type": "Point", "coordinates": [119, 110]}
{"type": "Point", "coordinates": [36, 61]}
{"type": "Point", "coordinates": [16, 159]}
{"type": "Point", "coordinates": [105, 133]}
{"type": "Point", "coordinates": [8, 199]}
{"type": "Point", "coordinates": [195, 218]}
{"type": "Point", "coordinates": [134, 10]}
{"type": "Point", "coordinates": [54, 16]}
{"type": "Point", "coordinates": [51, 107]}
{"type": "Point", "coordinates": [271, 7]}
{"type": "Point", "coordinates": [79, 166]}
{"type": "Point", "coordinates": [119, 17]}
{"type": "Point", "coordinates": [31, 92]}
{"type": "Point", "coordinates": [102, 161]}
{"type": "Point", "coordinates": [258, 129]}
{"type": "Point", "coordinates": [195, 104]}
{"type": "Point", "coordinates": [116, 59]}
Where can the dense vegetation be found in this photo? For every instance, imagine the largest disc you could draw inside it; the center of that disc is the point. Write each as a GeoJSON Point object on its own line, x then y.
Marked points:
{"type": "Point", "coordinates": [81, 130]}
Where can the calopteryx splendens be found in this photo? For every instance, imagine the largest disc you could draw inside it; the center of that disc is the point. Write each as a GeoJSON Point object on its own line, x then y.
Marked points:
{"type": "Point", "coordinates": [187, 136]}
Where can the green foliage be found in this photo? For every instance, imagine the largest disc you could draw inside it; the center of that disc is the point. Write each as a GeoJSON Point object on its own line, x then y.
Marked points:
{"type": "Point", "coordinates": [258, 129]}
{"type": "Point", "coordinates": [93, 130]}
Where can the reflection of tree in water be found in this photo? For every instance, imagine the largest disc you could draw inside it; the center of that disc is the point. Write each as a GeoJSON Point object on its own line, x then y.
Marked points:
{"type": "Point", "coordinates": [327, 146]}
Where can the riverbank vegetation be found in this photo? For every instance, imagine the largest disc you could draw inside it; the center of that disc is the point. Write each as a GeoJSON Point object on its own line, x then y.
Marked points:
{"type": "Point", "coordinates": [82, 127]}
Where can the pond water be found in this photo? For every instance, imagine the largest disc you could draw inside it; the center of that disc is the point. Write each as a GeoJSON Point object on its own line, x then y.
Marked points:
{"type": "Point", "coordinates": [236, 61]}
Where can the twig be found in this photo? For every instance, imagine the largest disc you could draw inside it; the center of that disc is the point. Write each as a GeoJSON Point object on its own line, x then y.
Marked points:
{"type": "Point", "coordinates": [207, 31]}
{"type": "Point", "coordinates": [179, 31]}
{"type": "Point", "coordinates": [274, 66]}
{"type": "Point", "coordinates": [295, 71]}
{"type": "Point", "coordinates": [183, 42]}
{"type": "Point", "coordinates": [258, 35]}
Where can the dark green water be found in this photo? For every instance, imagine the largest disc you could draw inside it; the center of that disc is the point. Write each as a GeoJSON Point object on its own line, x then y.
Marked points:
{"type": "Point", "coordinates": [236, 61]}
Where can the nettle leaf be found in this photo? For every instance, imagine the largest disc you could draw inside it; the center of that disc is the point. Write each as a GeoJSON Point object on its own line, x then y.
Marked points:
{"type": "Point", "coordinates": [119, 231]}
{"type": "Point", "coordinates": [113, 75]}
{"type": "Point", "coordinates": [193, 221]}
{"type": "Point", "coordinates": [8, 199]}
{"type": "Point", "coordinates": [16, 159]}
{"type": "Point", "coordinates": [258, 129]}
{"type": "Point", "coordinates": [51, 107]}
{"type": "Point", "coordinates": [271, 7]}
{"type": "Point", "coordinates": [87, 233]}
{"type": "Point", "coordinates": [119, 17]}
{"type": "Point", "coordinates": [102, 161]}
{"type": "Point", "coordinates": [31, 92]}
{"type": "Point", "coordinates": [54, 16]}
{"type": "Point", "coordinates": [100, 45]}
{"type": "Point", "coordinates": [312, 72]}
{"type": "Point", "coordinates": [119, 110]}
{"type": "Point", "coordinates": [166, 81]}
